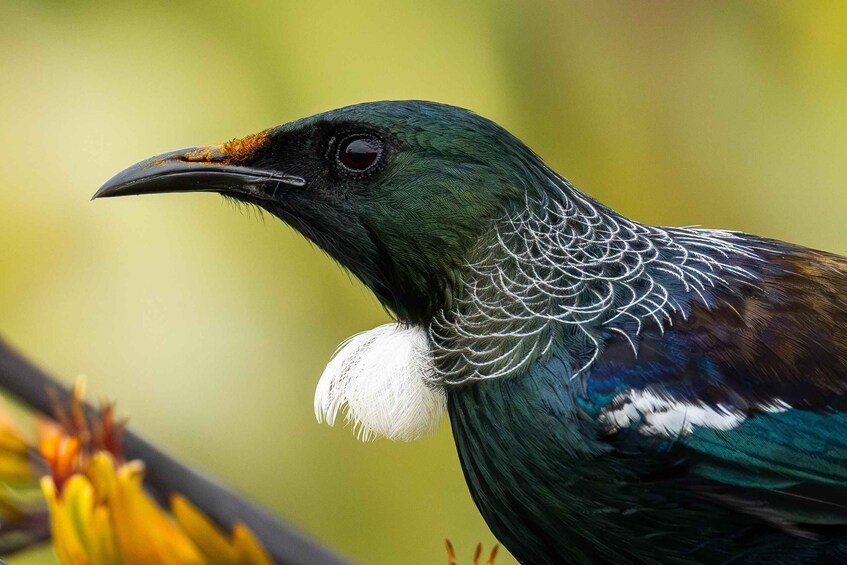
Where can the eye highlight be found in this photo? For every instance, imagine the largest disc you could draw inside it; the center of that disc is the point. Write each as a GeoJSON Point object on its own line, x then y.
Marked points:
{"type": "Point", "coordinates": [359, 153]}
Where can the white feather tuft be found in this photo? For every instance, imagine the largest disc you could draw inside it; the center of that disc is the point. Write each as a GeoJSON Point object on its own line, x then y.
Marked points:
{"type": "Point", "coordinates": [381, 379]}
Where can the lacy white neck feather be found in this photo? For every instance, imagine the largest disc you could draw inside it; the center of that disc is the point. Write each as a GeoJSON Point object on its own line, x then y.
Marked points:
{"type": "Point", "coordinates": [565, 270]}
{"type": "Point", "coordinates": [381, 380]}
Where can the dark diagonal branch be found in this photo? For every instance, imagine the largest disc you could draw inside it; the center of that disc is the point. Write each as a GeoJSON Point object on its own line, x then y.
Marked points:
{"type": "Point", "coordinates": [167, 475]}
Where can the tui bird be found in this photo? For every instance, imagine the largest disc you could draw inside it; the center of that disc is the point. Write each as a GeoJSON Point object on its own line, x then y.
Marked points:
{"type": "Point", "coordinates": [618, 392]}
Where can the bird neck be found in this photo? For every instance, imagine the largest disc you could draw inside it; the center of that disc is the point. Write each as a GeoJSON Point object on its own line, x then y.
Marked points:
{"type": "Point", "coordinates": [565, 273]}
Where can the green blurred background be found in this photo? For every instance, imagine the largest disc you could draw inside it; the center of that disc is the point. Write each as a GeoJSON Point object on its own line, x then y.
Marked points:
{"type": "Point", "coordinates": [211, 327]}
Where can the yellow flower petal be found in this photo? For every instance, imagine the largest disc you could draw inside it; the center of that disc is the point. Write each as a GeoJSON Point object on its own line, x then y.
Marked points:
{"type": "Point", "coordinates": [78, 502]}
{"type": "Point", "coordinates": [12, 441]}
{"type": "Point", "coordinates": [102, 543]}
{"type": "Point", "coordinates": [145, 533]}
{"type": "Point", "coordinates": [249, 550]}
{"type": "Point", "coordinates": [68, 548]}
{"type": "Point", "coordinates": [14, 467]}
{"type": "Point", "coordinates": [203, 532]}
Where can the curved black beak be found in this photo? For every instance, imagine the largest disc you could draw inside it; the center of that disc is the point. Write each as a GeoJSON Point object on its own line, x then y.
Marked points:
{"type": "Point", "coordinates": [203, 169]}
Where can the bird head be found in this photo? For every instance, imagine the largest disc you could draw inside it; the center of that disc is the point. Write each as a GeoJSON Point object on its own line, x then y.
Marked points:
{"type": "Point", "coordinates": [397, 192]}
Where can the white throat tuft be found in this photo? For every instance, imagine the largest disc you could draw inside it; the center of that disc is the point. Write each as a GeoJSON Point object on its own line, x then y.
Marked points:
{"type": "Point", "coordinates": [382, 379]}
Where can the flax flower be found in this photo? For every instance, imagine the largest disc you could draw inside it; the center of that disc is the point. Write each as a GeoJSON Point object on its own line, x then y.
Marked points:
{"type": "Point", "coordinates": [99, 511]}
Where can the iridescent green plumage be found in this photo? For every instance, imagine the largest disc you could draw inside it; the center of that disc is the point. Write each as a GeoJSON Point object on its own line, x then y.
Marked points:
{"type": "Point", "coordinates": [618, 392]}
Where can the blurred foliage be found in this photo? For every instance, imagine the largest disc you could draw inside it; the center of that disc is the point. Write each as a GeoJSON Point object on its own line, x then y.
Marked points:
{"type": "Point", "coordinates": [212, 327]}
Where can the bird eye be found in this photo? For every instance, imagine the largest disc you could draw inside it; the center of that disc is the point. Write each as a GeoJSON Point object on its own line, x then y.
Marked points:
{"type": "Point", "coordinates": [359, 152]}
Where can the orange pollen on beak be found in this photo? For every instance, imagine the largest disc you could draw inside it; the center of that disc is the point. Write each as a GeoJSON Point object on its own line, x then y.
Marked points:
{"type": "Point", "coordinates": [235, 151]}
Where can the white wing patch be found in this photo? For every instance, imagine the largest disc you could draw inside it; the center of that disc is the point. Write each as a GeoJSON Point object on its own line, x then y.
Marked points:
{"type": "Point", "coordinates": [654, 414]}
{"type": "Point", "coordinates": [382, 380]}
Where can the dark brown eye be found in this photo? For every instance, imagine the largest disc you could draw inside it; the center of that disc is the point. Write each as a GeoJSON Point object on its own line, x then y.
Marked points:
{"type": "Point", "coordinates": [360, 152]}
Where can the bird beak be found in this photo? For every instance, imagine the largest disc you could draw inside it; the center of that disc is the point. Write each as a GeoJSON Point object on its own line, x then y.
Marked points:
{"type": "Point", "coordinates": [214, 168]}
